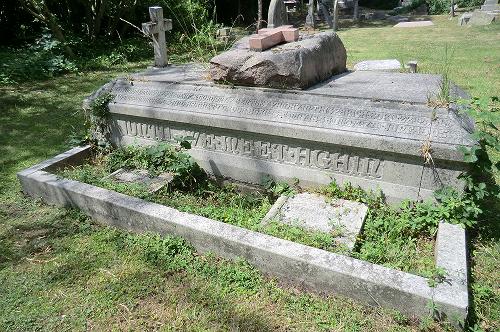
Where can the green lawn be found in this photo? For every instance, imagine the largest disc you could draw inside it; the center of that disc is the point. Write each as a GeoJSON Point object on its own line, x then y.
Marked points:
{"type": "Point", "coordinates": [60, 271]}
{"type": "Point", "coordinates": [473, 52]}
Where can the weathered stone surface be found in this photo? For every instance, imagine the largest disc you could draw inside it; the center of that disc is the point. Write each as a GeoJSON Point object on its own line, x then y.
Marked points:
{"type": "Point", "coordinates": [414, 24]}
{"type": "Point", "coordinates": [379, 65]}
{"type": "Point", "coordinates": [314, 212]}
{"type": "Point", "coordinates": [482, 18]}
{"type": "Point", "coordinates": [372, 140]}
{"type": "Point", "coordinates": [311, 268]}
{"type": "Point", "coordinates": [451, 255]}
{"type": "Point", "coordinates": [464, 19]}
{"type": "Point", "coordinates": [142, 177]}
{"type": "Point", "coordinates": [294, 65]}
{"type": "Point", "coordinates": [277, 14]}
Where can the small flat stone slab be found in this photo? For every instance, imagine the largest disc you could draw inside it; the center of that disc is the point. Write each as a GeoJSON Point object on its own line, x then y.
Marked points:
{"type": "Point", "coordinates": [314, 212]}
{"type": "Point", "coordinates": [378, 65]}
{"type": "Point", "coordinates": [416, 24]}
{"type": "Point", "coordinates": [142, 177]}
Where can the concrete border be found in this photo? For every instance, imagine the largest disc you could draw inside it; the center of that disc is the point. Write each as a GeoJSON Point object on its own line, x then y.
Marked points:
{"type": "Point", "coordinates": [311, 268]}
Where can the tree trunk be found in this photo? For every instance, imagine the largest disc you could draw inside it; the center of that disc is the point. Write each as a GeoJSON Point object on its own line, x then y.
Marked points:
{"type": "Point", "coordinates": [41, 11]}
{"type": "Point", "coordinates": [259, 14]}
{"type": "Point", "coordinates": [98, 18]}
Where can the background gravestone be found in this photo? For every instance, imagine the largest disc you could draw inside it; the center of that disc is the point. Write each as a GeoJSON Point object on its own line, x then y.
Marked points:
{"type": "Point", "coordinates": [277, 15]}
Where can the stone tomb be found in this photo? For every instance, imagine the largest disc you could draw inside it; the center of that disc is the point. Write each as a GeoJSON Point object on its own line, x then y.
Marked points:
{"type": "Point", "coordinates": [367, 128]}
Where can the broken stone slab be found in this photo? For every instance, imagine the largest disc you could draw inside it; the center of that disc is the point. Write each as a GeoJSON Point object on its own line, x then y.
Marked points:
{"type": "Point", "coordinates": [314, 212]}
{"type": "Point", "coordinates": [296, 65]}
{"type": "Point", "coordinates": [414, 24]}
{"type": "Point", "coordinates": [378, 65]}
{"type": "Point", "coordinates": [142, 177]}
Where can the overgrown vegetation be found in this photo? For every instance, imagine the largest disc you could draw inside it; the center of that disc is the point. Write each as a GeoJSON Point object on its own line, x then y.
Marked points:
{"type": "Point", "coordinates": [60, 271]}
{"type": "Point", "coordinates": [397, 237]}
{"type": "Point", "coordinates": [192, 191]}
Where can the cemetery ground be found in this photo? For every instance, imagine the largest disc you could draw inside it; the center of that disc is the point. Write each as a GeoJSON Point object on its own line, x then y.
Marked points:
{"type": "Point", "coordinates": [60, 271]}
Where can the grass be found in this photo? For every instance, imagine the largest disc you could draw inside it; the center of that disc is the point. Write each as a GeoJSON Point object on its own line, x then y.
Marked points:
{"type": "Point", "coordinates": [60, 271]}
{"type": "Point", "coordinates": [474, 51]}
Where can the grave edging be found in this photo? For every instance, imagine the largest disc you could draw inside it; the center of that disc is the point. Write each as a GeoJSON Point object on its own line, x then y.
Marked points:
{"type": "Point", "coordinates": [311, 268]}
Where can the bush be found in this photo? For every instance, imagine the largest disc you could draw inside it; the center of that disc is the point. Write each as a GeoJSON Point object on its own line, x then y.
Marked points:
{"type": "Point", "coordinates": [40, 60]}
{"type": "Point", "coordinates": [158, 159]}
{"type": "Point", "coordinates": [438, 6]}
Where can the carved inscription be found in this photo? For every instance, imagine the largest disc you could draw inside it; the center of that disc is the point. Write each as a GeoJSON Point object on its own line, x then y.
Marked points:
{"type": "Point", "coordinates": [359, 119]}
{"type": "Point", "coordinates": [279, 153]}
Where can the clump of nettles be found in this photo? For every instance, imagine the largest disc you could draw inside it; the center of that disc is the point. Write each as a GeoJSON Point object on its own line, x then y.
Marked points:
{"type": "Point", "coordinates": [158, 159]}
{"type": "Point", "coordinates": [96, 120]}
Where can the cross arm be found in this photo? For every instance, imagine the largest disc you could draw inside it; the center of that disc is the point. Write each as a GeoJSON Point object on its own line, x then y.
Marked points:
{"type": "Point", "coordinates": [153, 27]}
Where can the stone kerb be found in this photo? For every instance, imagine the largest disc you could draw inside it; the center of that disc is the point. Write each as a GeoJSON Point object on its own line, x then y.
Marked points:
{"type": "Point", "coordinates": [315, 269]}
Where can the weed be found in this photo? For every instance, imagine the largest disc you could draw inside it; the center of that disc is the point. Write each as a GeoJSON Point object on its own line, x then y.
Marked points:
{"type": "Point", "coordinates": [158, 159]}
{"type": "Point", "coordinates": [437, 276]}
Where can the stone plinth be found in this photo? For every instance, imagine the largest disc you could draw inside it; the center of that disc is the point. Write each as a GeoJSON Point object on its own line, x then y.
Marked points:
{"type": "Point", "coordinates": [296, 65]}
{"type": "Point", "coordinates": [366, 128]}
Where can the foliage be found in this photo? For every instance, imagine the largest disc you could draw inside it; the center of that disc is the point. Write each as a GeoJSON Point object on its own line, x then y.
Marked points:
{"type": "Point", "coordinates": [438, 6]}
{"type": "Point", "coordinates": [469, 3]}
{"type": "Point", "coordinates": [481, 176]}
{"type": "Point", "coordinates": [158, 159]}
{"type": "Point", "coordinates": [397, 236]}
{"type": "Point", "coordinates": [437, 276]}
{"type": "Point", "coordinates": [276, 188]}
{"type": "Point", "coordinates": [40, 60]}
{"type": "Point", "coordinates": [96, 121]}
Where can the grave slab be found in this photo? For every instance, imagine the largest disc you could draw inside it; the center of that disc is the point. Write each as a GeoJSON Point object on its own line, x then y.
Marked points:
{"type": "Point", "coordinates": [314, 212]}
{"type": "Point", "coordinates": [379, 65]}
{"type": "Point", "coordinates": [415, 24]}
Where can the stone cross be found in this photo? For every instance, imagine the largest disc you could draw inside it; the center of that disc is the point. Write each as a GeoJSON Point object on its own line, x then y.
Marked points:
{"type": "Point", "coordinates": [267, 38]}
{"type": "Point", "coordinates": [156, 29]}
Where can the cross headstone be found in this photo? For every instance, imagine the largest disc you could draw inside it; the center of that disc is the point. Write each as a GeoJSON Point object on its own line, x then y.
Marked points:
{"type": "Point", "coordinates": [156, 29]}
{"type": "Point", "coordinates": [267, 38]}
